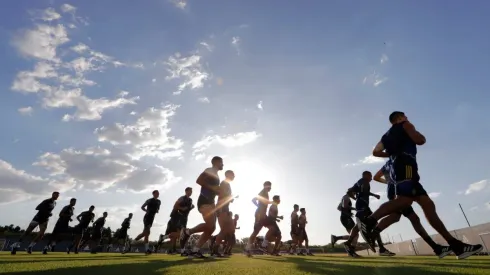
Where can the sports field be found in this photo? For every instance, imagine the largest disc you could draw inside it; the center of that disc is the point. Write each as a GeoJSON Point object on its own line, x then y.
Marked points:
{"type": "Point", "coordinates": [117, 264]}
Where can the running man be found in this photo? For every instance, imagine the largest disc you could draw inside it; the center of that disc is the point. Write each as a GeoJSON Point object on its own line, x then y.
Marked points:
{"type": "Point", "coordinates": [294, 230]}
{"type": "Point", "coordinates": [223, 212]}
{"type": "Point", "coordinates": [96, 236]}
{"type": "Point", "coordinates": [209, 182]}
{"type": "Point", "coordinates": [84, 219]}
{"type": "Point", "coordinates": [383, 176]}
{"type": "Point", "coordinates": [151, 207]}
{"type": "Point", "coordinates": [303, 236]}
{"type": "Point", "coordinates": [122, 235]}
{"type": "Point", "coordinates": [62, 226]}
{"type": "Point", "coordinates": [345, 208]}
{"type": "Point", "coordinates": [231, 241]}
{"type": "Point", "coordinates": [41, 219]}
{"type": "Point", "coordinates": [274, 233]}
{"type": "Point", "coordinates": [261, 201]}
{"type": "Point", "coordinates": [363, 192]}
{"type": "Point", "coordinates": [399, 144]}
{"type": "Point", "coordinates": [178, 220]}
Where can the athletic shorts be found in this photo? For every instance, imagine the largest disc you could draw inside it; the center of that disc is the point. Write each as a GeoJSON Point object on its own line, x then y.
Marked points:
{"type": "Point", "coordinates": [406, 211]}
{"type": "Point", "coordinates": [80, 229]}
{"type": "Point", "coordinates": [304, 235]}
{"type": "Point", "coordinates": [406, 176]}
{"type": "Point", "coordinates": [183, 222]}
{"type": "Point", "coordinates": [173, 225]}
{"type": "Point", "coordinates": [96, 235]}
{"type": "Point", "coordinates": [294, 230]}
{"type": "Point", "coordinates": [148, 220]}
{"type": "Point", "coordinates": [225, 208]}
{"type": "Point", "coordinates": [260, 222]}
{"type": "Point", "coordinates": [363, 212]}
{"type": "Point", "coordinates": [42, 223]}
{"type": "Point", "coordinates": [122, 234]}
{"type": "Point", "coordinates": [61, 228]}
{"type": "Point", "coordinates": [202, 200]}
{"type": "Point", "coordinates": [272, 224]}
{"type": "Point", "coordinates": [347, 222]}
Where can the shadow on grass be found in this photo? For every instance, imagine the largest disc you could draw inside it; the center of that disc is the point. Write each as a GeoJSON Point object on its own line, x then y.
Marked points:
{"type": "Point", "coordinates": [42, 259]}
{"type": "Point", "coordinates": [322, 267]}
{"type": "Point", "coordinates": [148, 267]}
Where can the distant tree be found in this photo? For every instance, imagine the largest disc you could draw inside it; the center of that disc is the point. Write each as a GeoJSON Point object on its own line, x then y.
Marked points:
{"type": "Point", "coordinates": [17, 229]}
{"type": "Point", "coordinates": [11, 228]}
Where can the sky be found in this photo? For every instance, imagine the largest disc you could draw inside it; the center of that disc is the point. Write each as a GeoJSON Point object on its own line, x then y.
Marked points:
{"type": "Point", "coordinates": [106, 101]}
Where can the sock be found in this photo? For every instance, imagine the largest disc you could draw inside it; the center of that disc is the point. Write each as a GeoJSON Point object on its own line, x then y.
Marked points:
{"type": "Point", "coordinates": [453, 242]}
{"type": "Point", "coordinates": [307, 250]}
{"type": "Point", "coordinates": [380, 244]}
{"type": "Point", "coordinates": [32, 244]}
{"type": "Point", "coordinates": [431, 242]}
{"type": "Point", "coordinates": [147, 246]}
{"type": "Point", "coordinates": [195, 249]}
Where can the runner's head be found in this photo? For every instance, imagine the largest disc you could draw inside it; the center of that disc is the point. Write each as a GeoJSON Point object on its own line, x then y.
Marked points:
{"type": "Point", "coordinates": [217, 163]}
{"type": "Point", "coordinates": [397, 117]}
{"type": "Point", "coordinates": [55, 195]}
{"type": "Point", "coordinates": [155, 194]}
{"type": "Point", "coordinates": [130, 216]}
{"type": "Point", "coordinates": [104, 214]}
{"type": "Point", "coordinates": [296, 208]}
{"type": "Point", "coordinates": [73, 201]}
{"type": "Point", "coordinates": [303, 211]}
{"type": "Point", "coordinates": [268, 186]}
{"type": "Point", "coordinates": [230, 175]}
{"type": "Point", "coordinates": [237, 217]}
{"type": "Point", "coordinates": [91, 208]}
{"type": "Point", "coordinates": [366, 175]}
{"type": "Point", "coordinates": [350, 192]}
{"type": "Point", "coordinates": [188, 191]}
{"type": "Point", "coordinates": [276, 199]}
{"type": "Point", "coordinates": [230, 214]}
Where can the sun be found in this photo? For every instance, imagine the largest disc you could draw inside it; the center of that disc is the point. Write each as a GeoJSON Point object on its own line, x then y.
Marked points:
{"type": "Point", "coordinates": [249, 179]}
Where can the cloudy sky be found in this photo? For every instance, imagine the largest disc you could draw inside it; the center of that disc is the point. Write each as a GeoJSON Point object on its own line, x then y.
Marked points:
{"type": "Point", "coordinates": [107, 101]}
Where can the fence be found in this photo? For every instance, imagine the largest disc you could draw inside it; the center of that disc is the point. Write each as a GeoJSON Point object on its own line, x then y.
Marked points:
{"type": "Point", "coordinates": [478, 234]}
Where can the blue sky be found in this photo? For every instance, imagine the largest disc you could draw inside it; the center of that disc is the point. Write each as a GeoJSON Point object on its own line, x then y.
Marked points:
{"type": "Point", "coordinates": [107, 101]}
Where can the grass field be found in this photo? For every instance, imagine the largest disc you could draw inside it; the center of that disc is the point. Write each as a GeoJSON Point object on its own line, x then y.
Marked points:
{"type": "Point", "coordinates": [109, 264]}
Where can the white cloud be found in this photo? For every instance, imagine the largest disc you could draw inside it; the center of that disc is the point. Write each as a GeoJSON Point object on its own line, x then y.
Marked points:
{"type": "Point", "coordinates": [236, 140]}
{"type": "Point", "coordinates": [181, 4]}
{"type": "Point", "coordinates": [47, 15]}
{"type": "Point", "coordinates": [384, 58]}
{"type": "Point", "coordinates": [476, 187]}
{"type": "Point", "coordinates": [58, 82]}
{"type": "Point", "coordinates": [374, 79]}
{"type": "Point", "coordinates": [41, 42]}
{"type": "Point", "coordinates": [207, 46]}
{"type": "Point", "coordinates": [474, 208]}
{"type": "Point", "coordinates": [188, 69]}
{"type": "Point", "coordinates": [80, 48]}
{"type": "Point", "coordinates": [148, 136]}
{"type": "Point", "coordinates": [368, 160]}
{"type": "Point", "coordinates": [27, 111]}
{"type": "Point", "coordinates": [203, 99]}
{"type": "Point", "coordinates": [259, 105]}
{"type": "Point", "coordinates": [68, 8]}
{"type": "Point", "coordinates": [19, 185]}
{"type": "Point", "coordinates": [434, 195]}
{"type": "Point", "coordinates": [235, 42]}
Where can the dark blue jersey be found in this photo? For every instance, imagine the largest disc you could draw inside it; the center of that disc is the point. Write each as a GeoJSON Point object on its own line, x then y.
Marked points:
{"type": "Point", "coordinates": [152, 206]}
{"type": "Point", "coordinates": [184, 202]}
{"type": "Point", "coordinates": [210, 176]}
{"type": "Point", "coordinates": [362, 189]}
{"type": "Point", "coordinates": [397, 142]}
{"type": "Point", "coordinates": [99, 223]}
{"type": "Point", "coordinates": [85, 218]}
{"type": "Point", "coordinates": [126, 223]}
{"type": "Point", "coordinates": [65, 214]}
{"type": "Point", "coordinates": [44, 209]}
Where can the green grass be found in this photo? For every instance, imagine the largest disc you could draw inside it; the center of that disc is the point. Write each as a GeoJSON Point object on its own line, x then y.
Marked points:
{"type": "Point", "coordinates": [138, 264]}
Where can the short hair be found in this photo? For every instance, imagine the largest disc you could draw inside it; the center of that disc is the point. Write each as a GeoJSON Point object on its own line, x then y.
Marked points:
{"type": "Point", "coordinates": [395, 115]}
{"type": "Point", "coordinates": [130, 214]}
{"type": "Point", "coordinates": [188, 189]}
{"type": "Point", "coordinates": [154, 192]}
{"type": "Point", "coordinates": [302, 209]}
{"type": "Point", "coordinates": [73, 199]}
{"type": "Point", "coordinates": [105, 213]}
{"type": "Point", "coordinates": [365, 173]}
{"type": "Point", "coordinates": [92, 207]}
{"type": "Point", "coordinates": [228, 172]}
{"type": "Point", "coordinates": [276, 198]}
{"type": "Point", "coordinates": [55, 193]}
{"type": "Point", "coordinates": [216, 159]}
{"type": "Point", "coordinates": [296, 206]}
{"type": "Point", "coordinates": [267, 183]}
